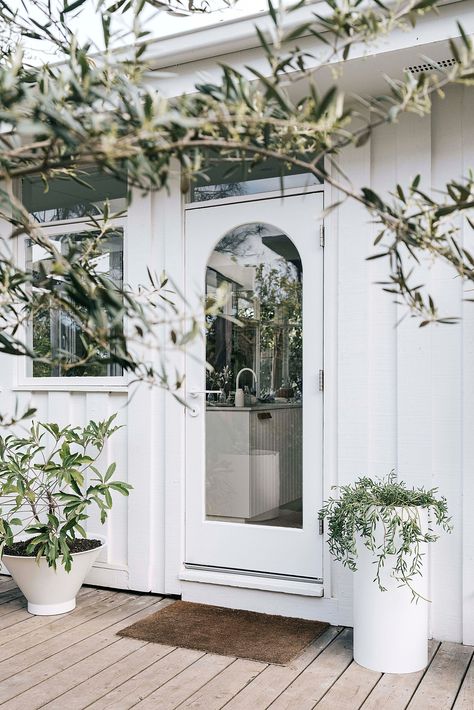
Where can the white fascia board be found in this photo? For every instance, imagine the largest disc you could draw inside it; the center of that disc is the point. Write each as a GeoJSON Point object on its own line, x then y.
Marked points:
{"type": "Point", "coordinates": [238, 35]}
{"type": "Point", "coordinates": [363, 72]}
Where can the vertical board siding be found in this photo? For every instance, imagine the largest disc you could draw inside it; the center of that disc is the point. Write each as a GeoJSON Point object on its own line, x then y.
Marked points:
{"type": "Point", "coordinates": [382, 355]}
{"type": "Point", "coordinates": [446, 385]}
{"type": "Point", "coordinates": [354, 234]}
{"type": "Point", "coordinates": [414, 345]}
{"type": "Point", "coordinates": [78, 408]}
{"type": "Point", "coordinates": [145, 507]}
{"type": "Point", "coordinates": [117, 452]}
{"type": "Point", "coordinates": [353, 374]}
{"type": "Point", "coordinates": [405, 401]}
{"type": "Point", "coordinates": [97, 409]}
{"type": "Point", "coordinates": [467, 563]}
{"type": "Point", "coordinates": [169, 220]}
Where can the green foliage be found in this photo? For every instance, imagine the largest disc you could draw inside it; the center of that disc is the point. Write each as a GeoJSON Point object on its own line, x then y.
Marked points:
{"type": "Point", "coordinates": [60, 119]}
{"type": "Point", "coordinates": [48, 481]}
{"type": "Point", "coordinates": [281, 317]}
{"type": "Point", "coordinates": [384, 512]}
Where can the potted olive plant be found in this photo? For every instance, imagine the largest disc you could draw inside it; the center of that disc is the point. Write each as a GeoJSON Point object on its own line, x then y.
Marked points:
{"type": "Point", "coordinates": [49, 479]}
{"type": "Point", "coordinates": [380, 529]}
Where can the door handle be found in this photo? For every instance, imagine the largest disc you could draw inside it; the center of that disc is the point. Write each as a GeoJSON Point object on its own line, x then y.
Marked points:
{"type": "Point", "coordinates": [196, 394]}
{"type": "Point", "coordinates": [195, 411]}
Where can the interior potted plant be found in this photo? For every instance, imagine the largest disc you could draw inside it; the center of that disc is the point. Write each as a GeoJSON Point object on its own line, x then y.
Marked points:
{"type": "Point", "coordinates": [48, 481]}
{"type": "Point", "coordinates": [380, 529]}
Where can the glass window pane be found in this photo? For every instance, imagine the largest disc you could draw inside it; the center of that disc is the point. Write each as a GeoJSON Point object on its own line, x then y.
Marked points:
{"type": "Point", "coordinates": [254, 410]}
{"type": "Point", "coordinates": [67, 199]}
{"type": "Point", "coordinates": [234, 179]}
{"type": "Point", "coordinates": [53, 331]}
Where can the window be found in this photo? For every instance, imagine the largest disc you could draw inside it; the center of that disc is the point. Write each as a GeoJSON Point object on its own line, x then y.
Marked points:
{"type": "Point", "coordinates": [254, 448]}
{"type": "Point", "coordinates": [239, 178]}
{"type": "Point", "coordinates": [54, 334]}
{"type": "Point", "coordinates": [68, 199]}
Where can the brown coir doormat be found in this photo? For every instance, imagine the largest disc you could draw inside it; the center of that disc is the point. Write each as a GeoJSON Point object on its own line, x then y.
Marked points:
{"type": "Point", "coordinates": [228, 632]}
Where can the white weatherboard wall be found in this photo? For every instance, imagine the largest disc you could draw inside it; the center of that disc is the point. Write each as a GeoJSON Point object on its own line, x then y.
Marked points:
{"type": "Point", "coordinates": [77, 408]}
{"type": "Point", "coordinates": [405, 394]}
{"type": "Point", "coordinates": [134, 529]}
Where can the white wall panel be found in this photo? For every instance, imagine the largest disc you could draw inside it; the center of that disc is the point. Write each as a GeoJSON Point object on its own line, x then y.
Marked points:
{"type": "Point", "coordinates": [467, 128]}
{"type": "Point", "coordinates": [382, 354]}
{"type": "Point", "coordinates": [354, 236]}
{"type": "Point", "coordinates": [419, 386]}
{"type": "Point", "coordinates": [446, 386]}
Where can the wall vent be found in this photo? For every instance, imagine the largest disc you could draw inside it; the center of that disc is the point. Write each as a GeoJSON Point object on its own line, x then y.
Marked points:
{"type": "Point", "coordinates": [431, 66]}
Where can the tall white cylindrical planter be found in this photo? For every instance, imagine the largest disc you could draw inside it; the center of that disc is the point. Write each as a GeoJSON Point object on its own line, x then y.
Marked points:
{"type": "Point", "coordinates": [390, 630]}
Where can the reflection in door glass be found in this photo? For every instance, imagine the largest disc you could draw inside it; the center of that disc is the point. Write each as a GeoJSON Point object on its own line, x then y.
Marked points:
{"type": "Point", "coordinates": [254, 408]}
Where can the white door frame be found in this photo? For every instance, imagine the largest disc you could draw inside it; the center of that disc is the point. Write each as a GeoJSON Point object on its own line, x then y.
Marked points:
{"type": "Point", "coordinates": [177, 580]}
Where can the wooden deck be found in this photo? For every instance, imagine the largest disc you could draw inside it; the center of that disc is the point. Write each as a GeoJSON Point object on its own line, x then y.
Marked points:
{"type": "Point", "coordinates": [78, 661]}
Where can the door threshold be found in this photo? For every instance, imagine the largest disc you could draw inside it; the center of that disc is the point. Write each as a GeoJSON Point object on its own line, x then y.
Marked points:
{"type": "Point", "coordinates": [285, 584]}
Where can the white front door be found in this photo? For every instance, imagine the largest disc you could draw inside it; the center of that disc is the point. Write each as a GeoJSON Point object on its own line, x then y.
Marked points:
{"type": "Point", "coordinates": [254, 447]}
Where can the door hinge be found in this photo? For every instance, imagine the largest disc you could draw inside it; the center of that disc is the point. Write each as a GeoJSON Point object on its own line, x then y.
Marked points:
{"type": "Point", "coordinates": [321, 380]}
{"type": "Point", "coordinates": [322, 237]}
{"type": "Point", "coordinates": [321, 526]}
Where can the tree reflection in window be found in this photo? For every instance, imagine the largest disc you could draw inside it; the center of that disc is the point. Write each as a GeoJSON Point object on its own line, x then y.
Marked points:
{"type": "Point", "coordinates": [262, 269]}
{"type": "Point", "coordinates": [54, 333]}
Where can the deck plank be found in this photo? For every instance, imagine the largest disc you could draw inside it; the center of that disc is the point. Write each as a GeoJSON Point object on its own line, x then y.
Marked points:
{"type": "Point", "coordinates": [138, 688]}
{"type": "Point", "coordinates": [29, 684]}
{"type": "Point", "coordinates": [309, 687]}
{"type": "Point", "coordinates": [10, 594]}
{"type": "Point", "coordinates": [133, 656]}
{"type": "Point", "coordinates": [81, 684]}
{"type": "Point", "coordinates": [12, 605]}
{"type": "Point", "coordinates": [77, 661]}
{"type": "Point", "coordinates": [14, 610]}
{"type": "Point", "coordinates": [442, 680]}
{"type": "Point", "coordinates": [350, 689]}
{"type": "Point", "coordinates": [14, 616]}
{"type": "Point", "coordinates": [6, 582]}
{"type": "Point", "coordinates": [465, 699]}
{"type": "Point", "coordinates": [177, 690]}
{"type": "Point", "coordinates": [83, 622]}
{"type": "Point", "coordinates": [37, 629]}
{"type": "Point", "coordinates": [394, 690]}
{"type": "Point", "coordinates": [218, 691]}
{"type": "Point", "coordinates": [271, 682]}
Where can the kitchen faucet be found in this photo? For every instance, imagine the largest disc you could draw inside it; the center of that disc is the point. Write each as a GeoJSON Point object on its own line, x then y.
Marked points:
{"type": "Point", "coordinates": [239, 393]}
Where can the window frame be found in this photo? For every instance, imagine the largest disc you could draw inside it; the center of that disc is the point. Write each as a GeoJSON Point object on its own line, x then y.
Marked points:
{"type": "Point", "coordinates": [28, 382]}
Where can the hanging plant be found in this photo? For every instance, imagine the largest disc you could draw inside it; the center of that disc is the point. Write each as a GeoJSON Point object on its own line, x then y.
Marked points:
{"type": "Point", "coordinates": [385, 514]}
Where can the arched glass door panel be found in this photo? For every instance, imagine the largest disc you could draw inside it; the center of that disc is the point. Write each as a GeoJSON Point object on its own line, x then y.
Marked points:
{"type": "Point", "coordinates": [255, 388]}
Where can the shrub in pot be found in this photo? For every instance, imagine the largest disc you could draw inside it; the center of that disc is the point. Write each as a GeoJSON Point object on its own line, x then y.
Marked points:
{"type": "Point", "coordinates": [49, 480]}
{"type": "Point", "coordinates": [380, 529]}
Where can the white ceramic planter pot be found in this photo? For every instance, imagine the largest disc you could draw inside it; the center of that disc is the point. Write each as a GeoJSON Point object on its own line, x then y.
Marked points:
{"type": "Point", "coordinates": [51, 591]}
{"type": "Point", "coordinates": [390, 630]}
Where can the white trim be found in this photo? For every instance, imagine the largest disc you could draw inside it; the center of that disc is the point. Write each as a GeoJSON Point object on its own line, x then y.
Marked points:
{"type": "Point", "coordinates": [169, 209]}
{"type": "Point", "coordinates": [237, 35]}
{"type": "Point", "coordinates": [267, 584]}
{"type": "Point", "coordinates": [73, 220]}
{"type": "Point", "coordinates": [106, 575]}
{"type": "Point", "coordinates": [29, 383]}
{"type": "Point", "coordinates": [330, 360]}
{"type": "Point", "coordinates": [54, 386]}
{"type": "Point", "coordinates": [273, 194]}
{"type": "Point", "coordinates": [264, 601]}
{"type": "Point", "coordinates": [77, 224]}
